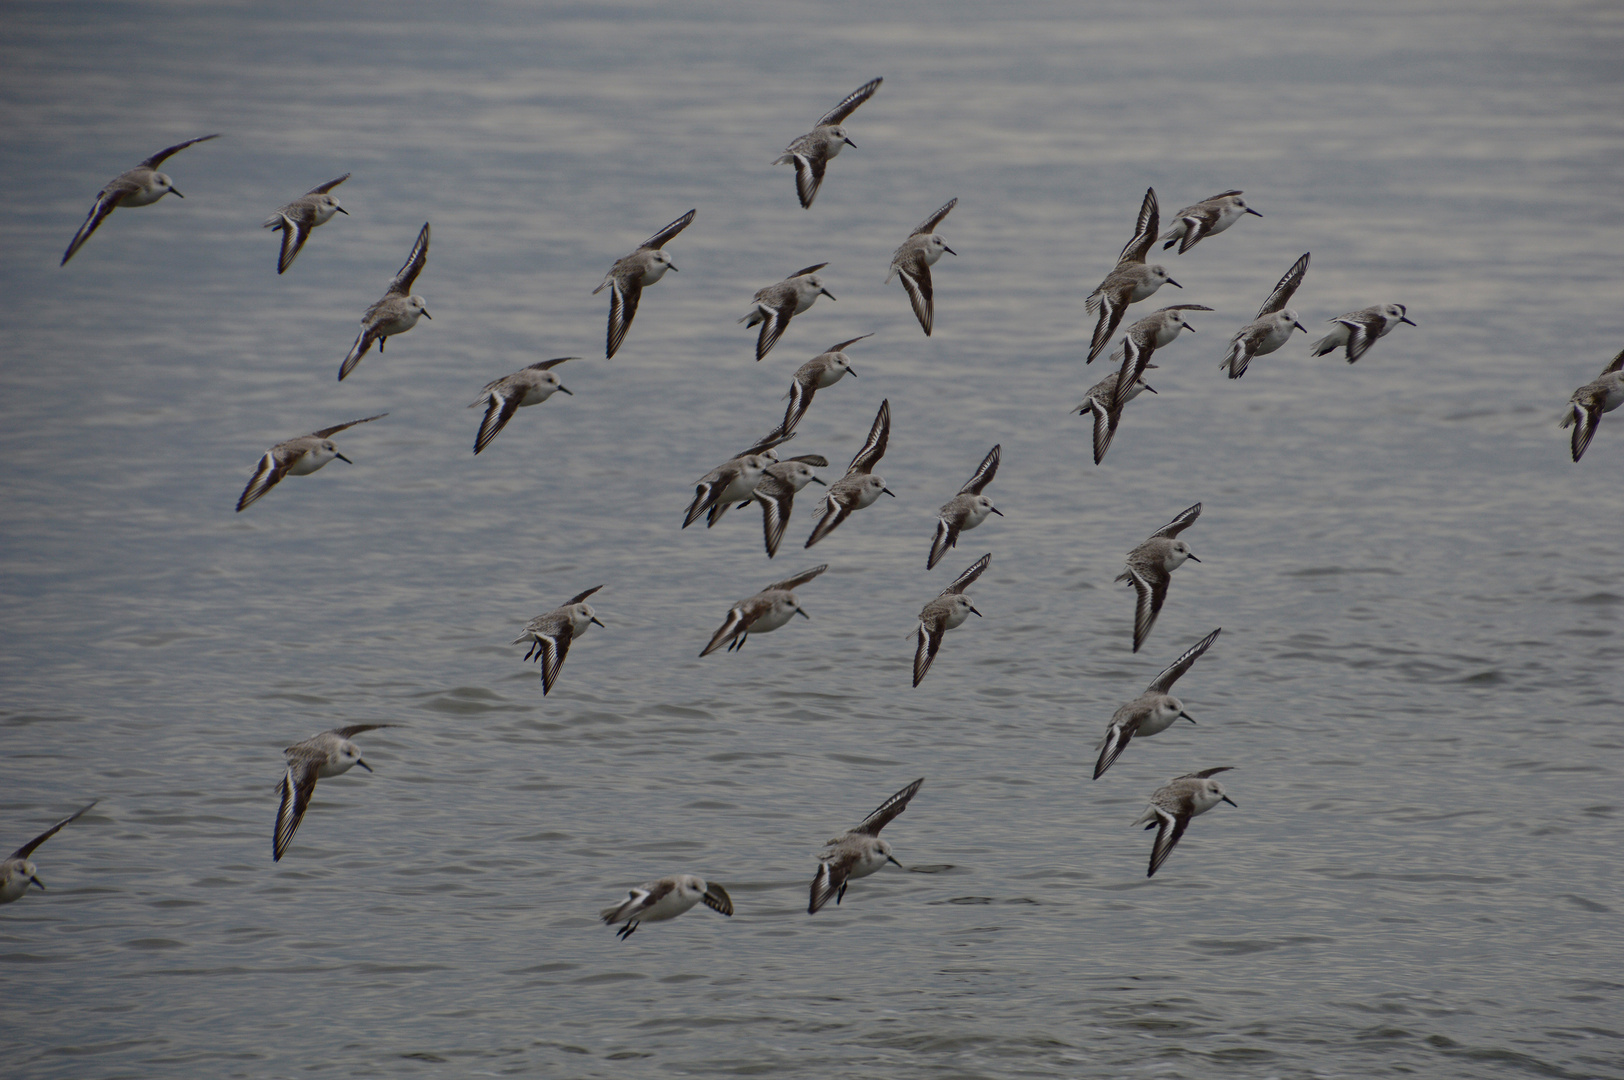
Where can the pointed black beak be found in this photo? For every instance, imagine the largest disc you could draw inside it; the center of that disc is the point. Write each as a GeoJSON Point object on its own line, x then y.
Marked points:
{"type": "Point", "coordinates": [1405, 318]}
{"type": "Point", "coordinates": [341, 457]}
{"type": "Point", "coordinates": [670, 266]}
{"type": "Point", "coordinates": [815, 480]}
{"type": "Point", "coordinates": [599, 621]}
{"type": "Point", "coordinates": [1188, 717]}
{"type": "Point", "coordinates": [426, 315]}
{"type": "Point", "coordinates": [995, 510]}
{"type": "Point", "coordinates": [1194, 559]}
{"type": "Point", "coordinates": [176, 193]}
{"type": "Point", "coordinates": [341, 210]}
{"type": "Point", "coordinates": [949, 250]}
{"type": "Point", "coordinates": [1230, 801]}
{"type": "Point", "coordinates": [892, 860]}
{"type": "Point", "coordinates": [803, 614]}
{"type": "Point", "coordinates": [363, 765]}
{"type": "Point", "coordinates": [1152, 389]}
{"type": "Point", "coordinates": [1188, 327]}
{"type": "Point", "coordinates": [1300, 326]}
{"type": "Point", "coordinates": [37, 881]}
{"type": "Point", "coordinates": [1254, 213]}
{"type": "Point", "coordinates": [973, 610]}
{"type": "Point", "coordinates": [851, 144]}
{"type": "Point", "coordinates": [827, 293]}
{"type": "Point", "coordinates": [566, 390]}
{"type": "Point", "coordinates": [889, 492]}
{"type": "Point", "coordinates": [1170, 281]}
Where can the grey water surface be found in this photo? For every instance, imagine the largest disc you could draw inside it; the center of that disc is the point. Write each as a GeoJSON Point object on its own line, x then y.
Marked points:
{"type": "Point", "coordinates": [1418, 682]}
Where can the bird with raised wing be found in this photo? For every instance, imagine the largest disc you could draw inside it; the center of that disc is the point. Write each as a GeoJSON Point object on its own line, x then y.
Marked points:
{"type": "Point", "coordinates": [299, 456]}
{"type": "Point", "coordinates": [912, 262]}
{"type": "Point", "coordinates": [1358, 330]}
{"type": "Point", "coordinates": [811, 152]}
{"type": "Point", "coordinates": [734, 479]}
{"type": "Point", "coordinates": [965, 510]}
{"type": "Point", "coordinates": [1174, 804]}
{"type": "Point", "coordinates": [1272, 327]}
{"type": "Point", "coordinates": [1150, 568]}
{"type": "Point", "coordinates": [777, 304]}
{"type": "Point", "coordinates": [861, 485]}
{"type": "Point", "coordinates": [1153, 711]}
{"type": "Point", "coordinates": [769, 609]}
{"type": "Point", "coordinates": [397, 312]}
{"type": "Point", "coordinates": [823, 370]}
{"type": "Point", "coordinates": [1130, 281]}
{"type": "Point", "coordinates": [295, 220]}
{"type": "Point", "coordinates": [141, 186]}
{"type": "Point", "coordinates": [944, 613]}
{"type": "Point", "coordinates": [17, 871]}
{"type": "Point", "coordinates": [550, 635]}
{"type": "Point", "coordinates": [628, 277]}
{"type": "Point", "coordinates": [507, 395]}
{"type": "Point", "coordinates": [858, 852]}
{"type": "Point", "coordinates": [329, 754]}
{"type": "Point", "coordinates": [1601, 395]}
{"type": "Point", "coordinates": [657, 901]}
{"type": "Point", "coordinates": [1208, 217]}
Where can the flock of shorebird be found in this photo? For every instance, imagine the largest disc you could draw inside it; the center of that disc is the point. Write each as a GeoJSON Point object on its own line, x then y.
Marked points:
{"type": "Point", "coordinates": [760, 475]}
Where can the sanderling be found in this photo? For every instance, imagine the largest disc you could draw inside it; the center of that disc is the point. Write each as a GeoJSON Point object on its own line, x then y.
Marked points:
{"type": "Point", "coordinates": [1358, 330]}
{"type": "Point", "coordinates": [769, 609]}
{"type": "Point", "coordinates": [656, 901]}
{"type": "Point", "coordinates": [966, 510]}
{"type": "Point", "coordinates": [1130, 281]}
{"type": "Point", "coordinates": [141, 186]}
{"type": "Point", "coordinates": [777, 304]}
{"type": "Point", "coordinates": [550, 635]}
{"type": "Point", "coordinates": [1156, 330]}
{"type": "Point", "coordinates": [810, 153]}
{"type": "Point", "coordinates": [776, 489]}
{"type": "Point", "coordinates": [510, 393]}
{"type": "Point", "coordinates": [733, 479]}
{"type": "Point", "coordinates": [1105, 403]}
{"type": "Point", "coordinates": [329, 754]}
{"type": "Point", "coordinates": [1273, 325]}
{"type": "Point", "coordinates": [944, 613]}
{"type": "Point", "coordinates": [861, 485]}
{"type": "Point", "coordinates": [17, 872]}
{"type": "Point", "coordinates": [627, 277]}
{"type": "Point", "coordinates": [296, 457]}
{"type": "Point", "coordinates": [397, 312]}
{"type": "Point", "coordinates": [1206, 218]}
{"type": "Point", "coordinates": [823, 370]}
{"type": "Point", "coordinates": [1153, 711]}
{"type": "Point", "coordinates": [297, 218]}
{"type": "Point", "coordinates": [1150, 567]}
{"type": "Point", "coordinates": [858, 852]}
{"type": "Point", "coordinates": [913, 260]}
{"type": "Point", "coordinates": [1602, 395]}
{"type": "Point", "coordinates": [1174, 804]}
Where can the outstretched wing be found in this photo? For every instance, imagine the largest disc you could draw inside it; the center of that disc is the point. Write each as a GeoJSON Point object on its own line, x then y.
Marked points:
{"type": "Point", "coordinates": [873, 448]}
{"type": "Point", "coordinates": [947, 536]}
{"type": "Point", "coordinates": [356, 729]}
{"type": "Point", "coordinates": [1616, 365]}
{"type": "Point", "coordinates": [930, 641]}
{"type": "Point", "coordinates": [28, 849]}
{"type": "Point", "coordinates": [833, 511]}
{"type": "Point", "coordinates": [327, 433]}
{"type": "Point", "coordinates": [624, 293]}
{"type": "Point", "coordinates": [1104, 426]}
{"type": "Point", "coordinates": [268, 473]}
{"type": "Point", "coordinates": [1169, 827]}
{"type": "Point", "coordinates": [582, 596]}
{"type": "Point", "coordinates": [1163, 683]}
{"type": "Point", "coordinates": [1584, 416]}
{"type": "Point", "coordinates": [914, 273]}
{"type": "Point", "coordinates": [777, 499]}
{"type": "Point", "coordinates": [830, 881]}
{"type": "Point", "coordinates": [661, 238]}
{"type": "Point", "coordinates": [1185, 519]}
{"type": "Point", "coordinates": [791, 584]}
{"type": "Point", "coordinates": [928, 226]}
{"type": "Point", "coordinates": [732, 626]}
{"type": "Point", "coordinates": [889, 809]}
{"type": "Point", "coordinates": [1144, 233]}
{"type": "Point", "coordinates": [773, 438]}
{"type": "Point", "coordinates": [849, 104]}
{"type": "Point", "coordinates": [1204, 773]}
{"type": "Point", "coordinates": [1286, 286]}
{"type": "Point", "coordinates": [297, 786]}
{"type": "Point", "coordinates": [1151, 594]}
{"type": "Point", "coordinates": [808, 176]}
{"type": "Point", "coordinates": [163, 155]}
{"type": "Point", "coordinates": [402, 285]}
{"type": "Point", "coordinates": [984, 472]}
{"type": "Point", "coordinates": [104, 204]}
{"type": "Point", "coordinates": [1112, 304]}
{"type": "Point", "coordinates": [555, 645]}
{"type": "Point", "coordinates": [966, 579]}
{"type": "Point", "coordinates": [499, 409]}
{"type": "Point", "coordinates": [776, 322]}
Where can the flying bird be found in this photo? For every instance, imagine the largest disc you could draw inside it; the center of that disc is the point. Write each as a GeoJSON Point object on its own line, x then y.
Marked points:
{"type": "Point", "coordinates": [912, 262]}
{"type": "Point", "coordinates": [295, 220]}
{"type": "Point", "coordinates": [777, 304]}
{"type": "Point", "coordinates": [1153, 711]}
{"type": "Point", "coordinates": [1358, 330]}
{"type": "Point", "coordinates": [17, 872]}
{"type": "Point", "coordinates": [1105, 401]}
{"type": "Point", "coordinates": [296, 457]}
{"type": "Point", "coordinates": [329, 754]}
{"type": "Point", "coordinates": [1130, 281]}
{"type": "Point", "coordinates": [656, 901]}
{"type": "Point", "coordinates": [510, 393]}
{"type": "Point", "coordinates": [734, 479]}
{"type": "Point", "coordinates": [1150, 568]}
{"type": "Point", "coordinates": [1174, 804]}
{"type": "Point", "coordinates": [397, 312]}
{"type": "Point", "coordinates": [769, 609]}
{"type": "Point", "coordinates": [1602, 395]}
{"type": "Point", "coordinates": [818, 373]}
{"type": "Point", "coordinates": [810, 153]}
{"type": "Point", "coordinates": [857, 852]}
{"type": "Point", "coordinates": [627, 278]}
{"type": "Point", "coordinates": [1206, 218]}
{"type": "Point", "coordinates": [1273, 325]}
{"type": "Point", "coordinates": [550, 635]}
{"type": "Point", "coordinates": [944, 613]}
{"type": "Point", "coordinates": [861, 485]}
{"type": "Point", "coordinates": [141, 186]}
{"type": "Point", "coordinates": [965, 510]}
{"type": "Point", "coordinates": [776, 489]}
